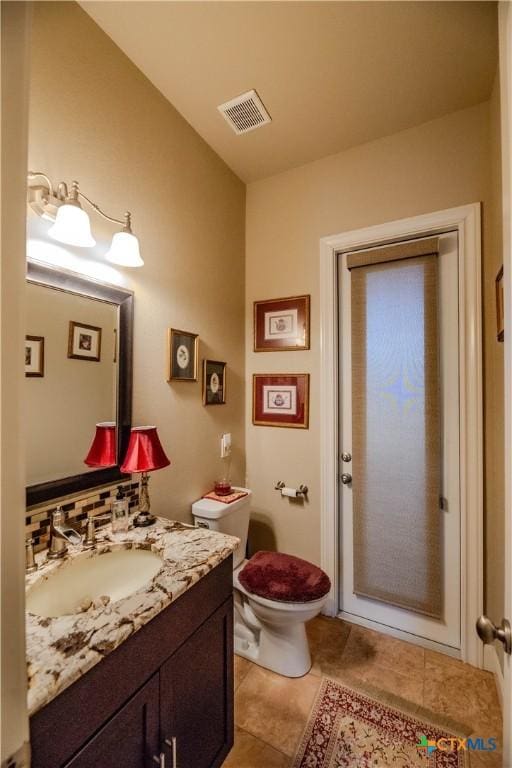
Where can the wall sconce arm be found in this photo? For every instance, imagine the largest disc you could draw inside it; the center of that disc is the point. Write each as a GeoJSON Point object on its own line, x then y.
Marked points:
{"type": "Point", "coordinates": [126, 222]}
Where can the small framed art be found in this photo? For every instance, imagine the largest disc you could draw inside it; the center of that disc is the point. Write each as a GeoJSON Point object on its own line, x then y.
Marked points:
{"type": "Point", "coordinates": [182, 355]}
{"type": "Point", "coordinates": [280, 400]}
{"type": "Point", "coordinates": [214, 382]}
{"type": "Point", "coordinates": [84, 342]}
{"type": "Point", "coordinates": [281, 325]}
{"type": "Point", "coordinates": [500, 320]}
{"type": "Point", "coordinates": [34, 356]}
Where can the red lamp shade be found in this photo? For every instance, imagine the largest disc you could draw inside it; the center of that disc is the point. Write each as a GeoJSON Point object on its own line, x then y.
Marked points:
{"type": "Point", "coordinates": [102, 452]}
{"type": "Point", "coordinates": [145, 451]}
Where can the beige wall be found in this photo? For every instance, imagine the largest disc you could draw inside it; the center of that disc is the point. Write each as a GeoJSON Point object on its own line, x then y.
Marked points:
{"type": "Point", "coordinates": [74, 395]}
{"type": "Point", "coordinates": [96, 118]}
{"type": "Point", "coordinates": [494, 488]}
{"type": "Point", "coordinates": [15, 19]}
{"type": "Point", "coordinates": [437, 165]}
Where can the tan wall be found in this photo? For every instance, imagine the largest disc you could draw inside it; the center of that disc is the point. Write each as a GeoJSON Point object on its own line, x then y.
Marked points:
{"type": "Point", "coordinates": [494, 489]}
{"type": "Point", "coordinates": [15, 19]}
{"type": "Point", "coordinates": [437, 165]}
{"type": "Point", "coordinates": [96, 118]}
{"type": "Point", "coordinates": [83, 391]}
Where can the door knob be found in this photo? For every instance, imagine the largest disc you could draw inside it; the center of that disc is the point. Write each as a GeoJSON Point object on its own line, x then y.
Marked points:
{"type": "Point", "coordinates": [488, 632]}
{"type": "Point", "coordinates": [346, 478]}
{"type": "Point", "coordinates": [346, 456]}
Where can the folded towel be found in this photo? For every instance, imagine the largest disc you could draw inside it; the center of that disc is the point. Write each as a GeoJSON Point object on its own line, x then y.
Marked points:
{"type": "Point", "coordinates": [225, 499]}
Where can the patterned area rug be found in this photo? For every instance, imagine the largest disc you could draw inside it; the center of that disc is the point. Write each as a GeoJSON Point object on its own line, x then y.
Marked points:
{"type": "Point", "coordinates": [349, 730]}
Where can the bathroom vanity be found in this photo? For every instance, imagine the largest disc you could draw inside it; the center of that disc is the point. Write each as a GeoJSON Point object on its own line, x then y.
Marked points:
{"type": "Point", "coordinates": [145, 680]}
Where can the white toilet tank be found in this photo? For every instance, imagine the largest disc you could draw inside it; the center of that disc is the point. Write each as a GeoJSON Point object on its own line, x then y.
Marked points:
{"type": "Point", "coordinates": [227, 518]}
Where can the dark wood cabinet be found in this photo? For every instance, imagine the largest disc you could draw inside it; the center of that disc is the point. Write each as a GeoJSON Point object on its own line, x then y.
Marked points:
{"type": "Point", "coordinates": [130, 738]}
{"type": "Point", "coordinates": [168, 688]}
{"type": "Point", "coordinates": [199, 716]}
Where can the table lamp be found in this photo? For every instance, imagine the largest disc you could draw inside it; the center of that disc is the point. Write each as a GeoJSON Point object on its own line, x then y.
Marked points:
{"type": "Point", "coordinates": [144, 454]}
{"type": "Point", "coordinates": [102, 452]}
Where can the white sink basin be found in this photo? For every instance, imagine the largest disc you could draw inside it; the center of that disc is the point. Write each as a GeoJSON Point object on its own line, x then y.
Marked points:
{"type": "Point", "coordinates": [73, 587]}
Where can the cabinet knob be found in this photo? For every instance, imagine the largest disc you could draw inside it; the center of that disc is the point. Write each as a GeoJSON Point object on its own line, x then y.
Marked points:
{"type": "Point", "coordinates": [160, 760]}
{"type": "Point", "coordinates": [172, 745]}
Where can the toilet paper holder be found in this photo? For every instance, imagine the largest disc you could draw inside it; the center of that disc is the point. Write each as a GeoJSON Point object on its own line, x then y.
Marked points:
{"type": "Point", "coordinates": [302, 490]}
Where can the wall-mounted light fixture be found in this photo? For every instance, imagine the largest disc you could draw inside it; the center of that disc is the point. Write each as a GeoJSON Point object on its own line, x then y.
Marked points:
{"type": "Point", "coordinates": [71, 224]}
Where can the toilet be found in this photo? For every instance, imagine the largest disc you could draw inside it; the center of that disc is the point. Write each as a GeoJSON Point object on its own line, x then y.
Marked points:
{"type": "Point", "coordinates": [274, 594]}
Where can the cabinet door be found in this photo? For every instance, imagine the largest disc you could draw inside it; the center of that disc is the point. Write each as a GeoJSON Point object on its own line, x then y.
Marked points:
{"type": "Point", "coordinates": [130, 739]}
{"type": "Point", "coordinates": [196, 694]}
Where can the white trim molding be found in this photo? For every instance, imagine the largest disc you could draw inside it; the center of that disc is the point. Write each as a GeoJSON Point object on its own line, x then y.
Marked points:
{"type": "Point", "coordinates": [505, 69]}
{"type": "Point", "coordinates": [466, 221]}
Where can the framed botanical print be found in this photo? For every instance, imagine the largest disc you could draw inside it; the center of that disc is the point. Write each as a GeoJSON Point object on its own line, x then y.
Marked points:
{"type": "Point", "coordinates": [182, 355]}
{"type": "Point", "coordinates": [34, 356]}
{"type": "Point", "coordinates": [500, 319]}
{"type": "Point", "coordinates": [281, 400]}
{"type": "Point", "coordinates": [281, 325]}
{"type": "Point", "coordinates": [84, 342]}
{"type": "Point", "coordinates": [214, 382]}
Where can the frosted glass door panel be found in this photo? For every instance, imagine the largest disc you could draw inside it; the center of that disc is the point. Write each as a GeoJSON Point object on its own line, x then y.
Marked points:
{"type": "Point", "coordinates": [396, 436]}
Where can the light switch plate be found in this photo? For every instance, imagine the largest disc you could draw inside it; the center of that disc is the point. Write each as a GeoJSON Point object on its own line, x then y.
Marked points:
{"type": "Point", "coordinates": [225, 445]}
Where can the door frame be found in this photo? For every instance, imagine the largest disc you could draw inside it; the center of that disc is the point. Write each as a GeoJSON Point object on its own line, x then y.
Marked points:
{"type": "Point", "coordinates": [505, 71]}
{"type": "Point", "coordinates": [466, 220]}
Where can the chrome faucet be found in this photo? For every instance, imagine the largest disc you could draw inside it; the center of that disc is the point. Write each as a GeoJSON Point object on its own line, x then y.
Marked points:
{"type": "Point", "coordinates": [90, 537]}
{"type": "Point", "coordinates": [61, 535]}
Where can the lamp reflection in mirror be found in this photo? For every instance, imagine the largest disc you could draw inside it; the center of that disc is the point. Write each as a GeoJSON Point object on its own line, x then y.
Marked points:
{"type": "Point", "coordinates": [72, 225]}
{"type": "Point", "coordinates": [102, 452]}
{"type": "Point", "coordinates": [144, 454]}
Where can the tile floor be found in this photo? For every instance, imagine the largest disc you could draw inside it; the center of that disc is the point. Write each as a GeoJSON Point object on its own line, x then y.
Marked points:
{"type": "Point", "coordinates": [271, 711]}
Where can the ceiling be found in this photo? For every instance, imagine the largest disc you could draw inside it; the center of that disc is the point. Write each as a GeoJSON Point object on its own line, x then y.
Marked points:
{"type": "Point", "coordinates": [331, 74]}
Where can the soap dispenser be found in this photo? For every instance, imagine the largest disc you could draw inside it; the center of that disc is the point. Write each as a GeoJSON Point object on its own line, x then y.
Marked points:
{"type": "Point", "coordinates": [120, 512]}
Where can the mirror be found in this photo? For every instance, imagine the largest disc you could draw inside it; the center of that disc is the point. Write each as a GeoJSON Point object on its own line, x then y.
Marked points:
{"type": "Point", "coordinates": [77, 375]}
{"type": "Point", "coordinates": [77, 380]}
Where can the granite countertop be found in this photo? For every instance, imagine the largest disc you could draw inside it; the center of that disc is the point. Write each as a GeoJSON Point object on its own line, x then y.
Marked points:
{"type": "Point", "coordinates": [61, 649]}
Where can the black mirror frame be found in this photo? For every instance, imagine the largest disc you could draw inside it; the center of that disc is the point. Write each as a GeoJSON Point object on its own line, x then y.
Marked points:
{"type": "Point", "coordinates": [55, 277]}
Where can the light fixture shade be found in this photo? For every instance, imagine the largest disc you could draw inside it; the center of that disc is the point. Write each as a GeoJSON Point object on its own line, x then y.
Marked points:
{"type": "Point", "coordinates": [72, 226]}
{"type": "Point", "coordinates": [102, 452]}
{"type": "Point", "coordinates": [124, 250]}
{"type": "Point", "coordinates": [145, 452]}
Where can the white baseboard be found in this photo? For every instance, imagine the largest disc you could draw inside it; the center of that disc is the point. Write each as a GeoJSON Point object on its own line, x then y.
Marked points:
{"type": "Point", "coordinates": [492, 664]}
{"type": "Point", "coordinates": [330, 608]}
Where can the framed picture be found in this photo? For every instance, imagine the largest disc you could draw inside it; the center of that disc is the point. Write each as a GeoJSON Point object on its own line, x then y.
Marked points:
{"type": "Point", "coordinates": [281, 324]}
{"type": "Point", "coordinates": [280, 400]}
{"type": "Point", "coordinates": [182, 355]}
{"type": "Point", "coordinates": [214, 382]}
{"type": "Point", "coordinates": [84, 342]}
{"type": "Point", "coordinates": [500, 319]}
{"type": "Point", "coordinates": [34, 355]}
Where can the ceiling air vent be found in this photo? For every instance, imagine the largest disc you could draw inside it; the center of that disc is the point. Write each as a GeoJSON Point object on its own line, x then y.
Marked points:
{"type": "Point", "coordinates": [245, 112]}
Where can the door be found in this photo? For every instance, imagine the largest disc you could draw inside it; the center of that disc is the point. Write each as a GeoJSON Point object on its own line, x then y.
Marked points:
{"type": "Point", "coordinates": [196, 707]}
{"type": "Point", "coordinates": [399, 438]}
{"type": "Point", "coordinates": [505, 36]}
{"type": "Point", "coordinates": [130, 739]}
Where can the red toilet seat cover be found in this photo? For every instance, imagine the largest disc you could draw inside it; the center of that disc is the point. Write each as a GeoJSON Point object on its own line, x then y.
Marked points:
{"type": "Point", "coordinates": [287, 578]}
